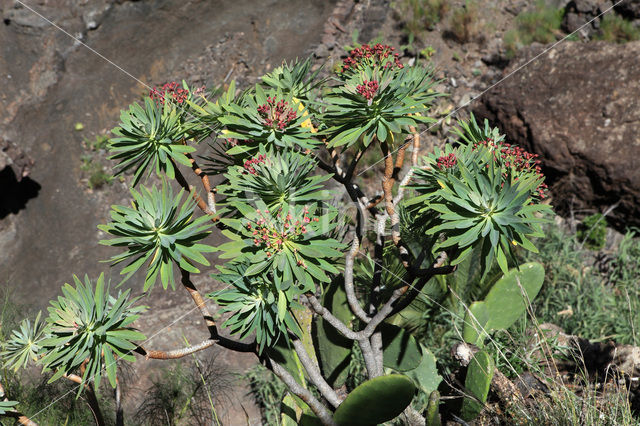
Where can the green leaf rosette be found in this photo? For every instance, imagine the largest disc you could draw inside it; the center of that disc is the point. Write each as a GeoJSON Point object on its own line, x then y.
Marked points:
{"type": "Point", "coordinates": [149, 138]}
{"type": "Point", "coordinates": [159, 230]}
{"type": "Point", "coordinates": [88, 326]}
{"type": "Point", "coordinates": [484, 194]}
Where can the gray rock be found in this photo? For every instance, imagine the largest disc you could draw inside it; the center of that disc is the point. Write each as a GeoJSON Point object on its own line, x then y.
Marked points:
{"type": "Point", "coordinates": [578, 108]}
{"type": "Point", "coordinates": [12, 156]}
{"type": "Point", "coordinates": [23, 17]}
{"type": "Point", "coordinates": [572, 22]}
{"type": "Point", "coordinates": [629, 9]}
{"type": "Point", "coordinates": [94, 13]}
{"type": "Point", "coordinates": [585, 6]}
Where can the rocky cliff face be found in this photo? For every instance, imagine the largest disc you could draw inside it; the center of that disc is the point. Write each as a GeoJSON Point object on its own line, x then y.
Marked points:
{"type": "Point", "coordinates": [67, 61]}
{"type": "Point", "coordinates": [578, 107]}
{"type": "Point", "coordinates": [82, 61]}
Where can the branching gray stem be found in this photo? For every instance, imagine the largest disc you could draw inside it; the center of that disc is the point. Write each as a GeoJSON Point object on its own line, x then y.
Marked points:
{"type": "Point", "coordinates": [376, 347]}
{"type": "Point", "coordinates": [298, 390]}
{"type": "Point", "coordinates": [179, 353]}
{"type": "Point", "coordinates": [369, 358]}
{"type": "Point", "coordinates": [349, 287]}
{"type": "Point", "coordinates": [313, 371]}
{"type": "Point", "coordinates": [331, 319]}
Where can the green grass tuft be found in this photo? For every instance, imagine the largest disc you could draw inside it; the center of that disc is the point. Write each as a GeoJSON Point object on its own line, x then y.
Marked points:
{"type": "Point", "coordinates": [616, 29]}
{"type": "Point", "coordinates": [464, 24]}
{"type": "Point", "coordinates": [541, 25]}
{"type": "Point", "coordinates": [421, 15]}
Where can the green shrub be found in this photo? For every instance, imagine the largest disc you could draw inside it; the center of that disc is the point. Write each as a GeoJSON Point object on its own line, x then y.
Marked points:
{"type": "Point", "coordinates": [95, 171]}
{"type": "Point", "coordinates": [581, 299]}
{"type": "Point", "coordinates": [593, 231]}
{"type": "Point", "coordinates": [614, 28]}
{"type": "Point", "coordinates": [100, 142]}
{"type": "Point", "coordinates": [421, 15]}
{"type": "Point", "coordinates": [541, 25]}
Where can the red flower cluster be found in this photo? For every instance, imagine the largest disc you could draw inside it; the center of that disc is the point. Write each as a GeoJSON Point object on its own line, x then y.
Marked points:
{"type": "Point", "coordinates": [447, 161]}
{"type": "Point", "coordinates": [379, 55]}
{"type": "Point", "coordinates": [248, 165]}
{"type": "Point", "coordinates": [277, 115]}
{"type": "Point", "coordinates": [517, 160]}
{"type": "Point", "coordinates": [272, 233]}
{"type": "Point", "coordinates": [172, 89]}
{"type": "Point", "coordinates": [368, 89]}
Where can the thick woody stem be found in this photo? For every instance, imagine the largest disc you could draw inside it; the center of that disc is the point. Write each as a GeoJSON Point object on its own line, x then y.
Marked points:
{"type": "Point", "coordinates": [403, 183]}
{"type": "Point", "coordinates": [378, 253]}
{"type": "Point", "coordinates": [387, 179]}
{"type": "Point", "coordinates": [413, 417]}
{"type": "Point", "coordinates": [199, 301]}
{"type": "Point", "coordinates": [199, 200]}
{"type": "Point", "coordinates": [376, 347]}
{"type": "Point", "coordinates": [425, 275]}
{"type": "Point", "coordinates": [313, 371]}
{"type": "Point", "coordinates": [391, 171]}
{"type": "Point", "coordinates": [399, 161]}
{"type": "Point", "coordinates": [352, 167]}
{"type": "Point", "coordinates": [335, 157]}
{"type": "Point", "coordinates": [179, 353]}
{"type": "Point", "coordinates": [348, 282]}
{"type": "Point", "coordinates": [390, 307]}
{"type": "Point", "coordinates": [361, 337]}
{"type": "Point", "coordinates": [414, 163]}
{"type": "Point", "coordinates": [298, 390]}
{"type": "Point", "coordinates": [374, 202]}
{"type": "Point", "coordinates": [337, 175]}
{"type": "Point", "coordinates": [210, 322]}
{"type": "Point", "coordinates": [352, 190]}
{"type": "Point", "coordinates": [211, 202]}
{"type": "Point", "coordinates": [390, 176]}
{"type": "Point", "coordinates": [416, 145]}
{"type": "Point", "coordinates": [376, 286]}
{"type": "Point", "coordinates": [20, 418]}
{"type": "Point", "coordinates": [214, 338]}
{"type": "Point", "coordinates": [369, 358]}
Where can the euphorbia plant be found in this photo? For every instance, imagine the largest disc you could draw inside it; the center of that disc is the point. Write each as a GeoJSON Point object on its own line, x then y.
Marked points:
{"type": "Point", "coordinates": [301, 266]}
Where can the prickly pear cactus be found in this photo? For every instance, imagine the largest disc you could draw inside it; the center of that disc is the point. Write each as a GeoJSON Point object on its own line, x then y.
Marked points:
{"type": "Point", "coordinates": [474, 330]}
{"type": "Point", "coordinates": [294, 412]}
{"type": "Point", "coordinates": [289, 411]}
{"type": "Point", "coordinates": [401, 351]}
{"type": "Point", "coordinates": [287, 357]}
{"type": "Point", "coordinates": [504, 304]}
{"type": "Point", "coordinates": [506, 301]}
{"type": "Point", "coordinates": [376, 401]}
{"type": "Point", "coordinates": [479, 375]}
{"type": "Point", "coordinates": [334, 350]}
{"type": "Point", "coordinates": [425, 375]}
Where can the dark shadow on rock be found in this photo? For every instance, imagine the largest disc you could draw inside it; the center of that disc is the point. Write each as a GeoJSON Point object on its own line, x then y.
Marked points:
{"type": "Point", "coordinates": [15, 194]}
